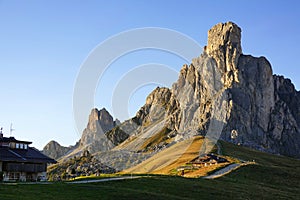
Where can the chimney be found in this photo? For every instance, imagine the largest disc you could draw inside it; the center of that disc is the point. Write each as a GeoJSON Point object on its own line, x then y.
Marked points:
{"type": "Point", "coordinates": [1, 134]}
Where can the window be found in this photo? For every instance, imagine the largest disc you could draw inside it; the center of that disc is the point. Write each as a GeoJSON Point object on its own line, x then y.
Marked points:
{"type": "Point", "coordinates": [21, 146]}
{"type": "Point", "coordinates": [17, 145]}
{"type": "Point", "coordinates": [25, 146]}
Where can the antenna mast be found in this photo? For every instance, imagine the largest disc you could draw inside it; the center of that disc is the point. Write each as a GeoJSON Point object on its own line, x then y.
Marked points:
{"type": "Point", "coordinates": [11, 129]}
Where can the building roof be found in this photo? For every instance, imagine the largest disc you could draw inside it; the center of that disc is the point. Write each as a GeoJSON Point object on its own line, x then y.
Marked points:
{"type": "Point", "coordinates": [206, 158]}
{"type": "Point", "coordinates": [21, 155]}
{"type": "Point", "coordinates": [12, 139]}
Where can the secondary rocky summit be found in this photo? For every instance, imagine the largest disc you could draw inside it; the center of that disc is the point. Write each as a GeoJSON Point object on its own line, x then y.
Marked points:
{"type": "Point", "coordinates": [93, 137]}
{"type": "Point", "coordinates": [54, 150]}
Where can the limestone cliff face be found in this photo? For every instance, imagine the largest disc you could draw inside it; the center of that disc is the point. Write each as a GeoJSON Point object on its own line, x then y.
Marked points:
{"type": "Point", "coordinates": [202, 89]}
{"type": "Point", "coordinates": [284, 121]}
{"type": "Point", "coordinates": [264, 109]}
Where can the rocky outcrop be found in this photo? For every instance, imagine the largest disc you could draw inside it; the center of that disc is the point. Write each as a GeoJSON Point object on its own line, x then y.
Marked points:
{"type": "Point", "coordinates": [116, 135]}
{"type": "Point", "coordinates": [83, 165]}
{"type": "Point", "coordinates": [93, 137]}
{"type": "Point", "coordinates": [224, 46]}
{"type": "Point", "coordinates": [100, 121]}
{"type": "Point", "coordinates": [160, 104]}
{"type": "Point", "coordinates": [54, 150]}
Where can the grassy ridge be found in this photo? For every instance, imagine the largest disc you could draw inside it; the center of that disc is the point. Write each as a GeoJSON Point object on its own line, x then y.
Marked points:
{"type": "Point", "coordinates": [274, 177]}
{"type": "Point", "coordinates": [277, 175]}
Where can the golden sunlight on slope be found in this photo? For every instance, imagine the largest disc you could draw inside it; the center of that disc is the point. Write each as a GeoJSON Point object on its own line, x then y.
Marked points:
{"type": "Point", "coordinates": [170, 158]}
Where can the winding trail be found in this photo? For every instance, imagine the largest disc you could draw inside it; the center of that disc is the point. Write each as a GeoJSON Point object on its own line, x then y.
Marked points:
{"type": "Point", "coordinates": [223, 171]}
{"type": "Point", "coordinates": [226, 170]}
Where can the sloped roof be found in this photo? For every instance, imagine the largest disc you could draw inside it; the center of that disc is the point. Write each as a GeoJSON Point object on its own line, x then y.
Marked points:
{"type": "Point", "coordinates": [12, 139]}
{"type": "Point", "coordinates": [208, 158]}
{"type": "Point", "coordinates": [22, 155]}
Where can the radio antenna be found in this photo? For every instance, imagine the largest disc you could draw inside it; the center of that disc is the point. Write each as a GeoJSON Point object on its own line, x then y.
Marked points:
{"type": "Point", "coordinates": [11, 129]}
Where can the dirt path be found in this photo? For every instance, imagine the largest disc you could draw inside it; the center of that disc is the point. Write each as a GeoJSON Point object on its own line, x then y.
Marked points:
{"type": "Point", "coordinates": [76, 182]}
{"type": "Point", "coordinates": [227, 170]}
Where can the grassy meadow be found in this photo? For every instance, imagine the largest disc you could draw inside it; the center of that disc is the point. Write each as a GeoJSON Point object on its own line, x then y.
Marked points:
{"type": "Point", "coordinates": [273, 177]}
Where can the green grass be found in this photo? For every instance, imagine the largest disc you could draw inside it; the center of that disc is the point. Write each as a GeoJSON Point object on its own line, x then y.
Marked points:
{"type": "Point", "coordinates": [273, 177]}
{"type": "Point", "coordinates": [92, 177]}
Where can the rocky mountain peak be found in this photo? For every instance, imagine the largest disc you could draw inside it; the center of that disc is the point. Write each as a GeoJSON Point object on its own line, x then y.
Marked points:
{"type": "Point", "coordinates": [224, 45]}
{"type": "Point", "coordinates": [224, 36]}
{"type": "Point", "coordinates": [102, 118]}
{"type": "Point", "coordinates": [93, 137]}
{"type": "Point", "coordinates": [238, 92]}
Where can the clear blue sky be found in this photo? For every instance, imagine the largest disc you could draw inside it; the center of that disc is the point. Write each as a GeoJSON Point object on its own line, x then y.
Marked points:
{"type": "Point", "coordinates": [43, 44]}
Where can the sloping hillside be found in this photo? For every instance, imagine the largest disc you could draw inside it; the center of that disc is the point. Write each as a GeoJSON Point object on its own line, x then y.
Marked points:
{"type": "Point", "coordinates": [169, 158]}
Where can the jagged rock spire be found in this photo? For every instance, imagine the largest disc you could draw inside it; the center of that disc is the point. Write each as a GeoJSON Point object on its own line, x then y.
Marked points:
{"type": "Point", "coordinates": [224, 45]}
